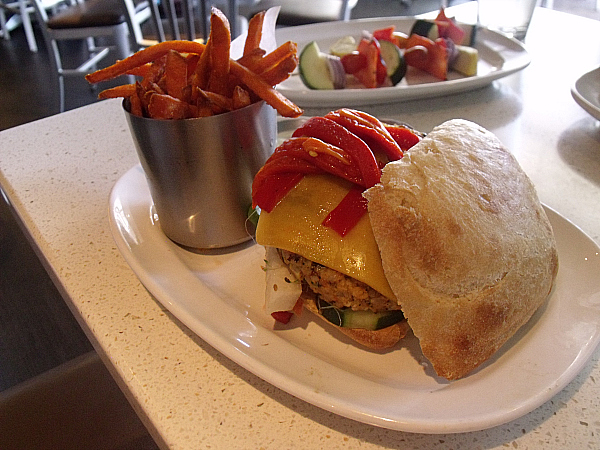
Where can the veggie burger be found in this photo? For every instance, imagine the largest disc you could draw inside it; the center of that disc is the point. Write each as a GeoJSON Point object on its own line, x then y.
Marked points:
{"type": "Point", "coordinates": [375, 227]}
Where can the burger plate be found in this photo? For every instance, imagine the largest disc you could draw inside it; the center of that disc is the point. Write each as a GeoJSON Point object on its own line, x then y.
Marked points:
{"type": "Point", "coordinates": [220, 297]}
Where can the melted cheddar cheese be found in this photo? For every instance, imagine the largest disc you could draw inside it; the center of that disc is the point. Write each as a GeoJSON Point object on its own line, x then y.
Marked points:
{"type": "Point", "coordinates": [295, 225]}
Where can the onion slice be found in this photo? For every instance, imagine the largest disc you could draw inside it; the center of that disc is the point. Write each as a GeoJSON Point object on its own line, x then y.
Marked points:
{"type": "Point", "coordinates": [336, 71]}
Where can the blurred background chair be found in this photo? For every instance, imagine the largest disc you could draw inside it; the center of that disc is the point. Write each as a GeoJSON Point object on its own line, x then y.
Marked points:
{"type": "Point", "coordinates": [299, 12]}
{"type": "Point", "coordinates": [92, 21]}
{"type": "Point", "coordinates": [20, 14]}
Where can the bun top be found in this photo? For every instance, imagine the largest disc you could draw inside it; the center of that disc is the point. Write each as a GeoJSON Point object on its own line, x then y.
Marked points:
{"type": "Point", "coordinates": [465, 243]}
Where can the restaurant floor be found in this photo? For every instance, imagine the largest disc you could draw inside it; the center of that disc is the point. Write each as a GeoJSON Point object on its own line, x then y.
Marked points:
{"type": "Point", "coordinates": [41, 344]}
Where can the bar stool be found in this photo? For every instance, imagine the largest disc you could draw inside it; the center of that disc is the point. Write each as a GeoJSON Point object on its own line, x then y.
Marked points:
{"type": "Point", "coordinates": [85, 21]}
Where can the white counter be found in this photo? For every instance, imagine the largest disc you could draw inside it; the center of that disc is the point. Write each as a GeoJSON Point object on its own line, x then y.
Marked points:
{"type": "Point", "coordinates": [58, 172]}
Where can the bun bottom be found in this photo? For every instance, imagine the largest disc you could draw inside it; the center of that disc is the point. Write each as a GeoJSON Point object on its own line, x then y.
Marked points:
{"type": "Point", "coordinates": [375, 340]}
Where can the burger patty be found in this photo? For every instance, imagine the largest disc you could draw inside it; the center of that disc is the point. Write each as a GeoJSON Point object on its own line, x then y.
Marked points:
{"type": "Point", "coordinates": [336, 288]}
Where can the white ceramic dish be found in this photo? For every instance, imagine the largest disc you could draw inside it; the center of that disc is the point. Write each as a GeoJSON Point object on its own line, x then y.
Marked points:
{"type": "Point", "coordinates": [499, 56]}
{"type": "Point", "coordinates": [220, 297]}
{"type": "Point", "coordinates": [586, 92]}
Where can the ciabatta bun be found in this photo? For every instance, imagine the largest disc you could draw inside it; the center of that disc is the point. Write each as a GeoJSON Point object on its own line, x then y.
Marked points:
{"type": "Point", "coordinates": [465, 243]}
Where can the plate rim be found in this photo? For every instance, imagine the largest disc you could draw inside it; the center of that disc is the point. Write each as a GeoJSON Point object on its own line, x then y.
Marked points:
{"type": "Point", "coordinates": [580, 99]}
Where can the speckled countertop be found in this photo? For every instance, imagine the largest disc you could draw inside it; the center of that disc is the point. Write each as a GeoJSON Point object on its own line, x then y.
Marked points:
{"type": "Point", "coordinates": [58, 172]}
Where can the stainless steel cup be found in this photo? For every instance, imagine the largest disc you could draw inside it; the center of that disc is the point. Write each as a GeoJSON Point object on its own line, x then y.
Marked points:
{"type": "Point", "coordinates": [200, 172]}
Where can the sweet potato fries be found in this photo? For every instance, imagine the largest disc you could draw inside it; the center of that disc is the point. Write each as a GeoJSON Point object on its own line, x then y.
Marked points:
{"type": "Point", "coordinates": [186, 79]}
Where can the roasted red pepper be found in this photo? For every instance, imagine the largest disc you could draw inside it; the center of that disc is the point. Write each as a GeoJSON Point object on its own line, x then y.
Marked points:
{"type": "Point", "coordinates": [295, 157]}
{"type": "Point", "coordinates": [368, 128]}
{"type": "Point", "coordinates": [375, 72]}
{"type": "Point", "coordinates": [435, 62]}
{"type": "Point", "coordinates": [273, 189]}
{"type": "Point", "coordinates": [347, 213]}
{"type": "Point", "coordinates": [353, 62]}
{"type": "Point", "coordinates": [404, 136]}
{"type": "Point", "coordinates": [448, 28]}
{"type": "Point", "coordinates": [329, 131]}
{"type": "Point", "coordinates": [332, 144]}
{"type": "Point", "coordinates": [385, 34]}
{"type": "Point", "coordinates": [282, 316]}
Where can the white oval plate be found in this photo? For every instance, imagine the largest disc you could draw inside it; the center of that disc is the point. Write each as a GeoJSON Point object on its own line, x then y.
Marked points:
{"type": "Point", "coordinates": [586, 92]}
{"type": "Point", "coordinates": [499, 56]}
{"type": "Point", "coordinates": [220, 298]}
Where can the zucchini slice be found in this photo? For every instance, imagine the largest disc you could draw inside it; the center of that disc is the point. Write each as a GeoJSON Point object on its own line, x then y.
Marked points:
{"type": "Point", "coordinates": [426, 28]}
{"type": "Point", "coordinates": [368, 320]}
{"type": "Point", "coordinates": [314, 68]}
{"type": "Point", "coordinates": [394, 61]}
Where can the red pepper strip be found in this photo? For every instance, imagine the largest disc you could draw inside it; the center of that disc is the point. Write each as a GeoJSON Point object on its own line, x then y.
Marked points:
{"type": "Point", "coordinates": [282, 316]}
{"type": "Point", "coordinates": [347, 213]}
{"type": "Point", "coordinates": [368, 128]}
{"type": "Point", "coordinates": [285, 316]}
{"type": "Point", "coordinates": [404, 136]}
{"type": "Point", "coordinates": [360, 153]}
{"type": "Point", "coordinates": [385, 34]}
{"type": "Point", "coordinates": [310, 150]}
{"type": "Point", "coordinates": [449, 27]}
{"type": "Point", "coordinates": [299, 155]}
{"type": "Point", "coordinates": [274, 189]}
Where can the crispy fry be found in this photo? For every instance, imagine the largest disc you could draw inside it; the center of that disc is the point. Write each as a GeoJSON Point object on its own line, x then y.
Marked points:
{"type": "Point", "coordinates": [154, 73]}
{"type": "Point", "coordinates": [182, 79]}
{"type": "Point", "coordinates": [175, 74]}
{"type": "Point", "coordinates": [240, 98]}
{"type": "Point", "coordinates": [284, 106]}
{"type": "Point", "coordinates": [162, 106]}
{"type": "Point", "coordinates": [201, 73]}
{"type": "Point", "coordinates": [139, 71]}
{"type": "Point", "coordinates": [135, 105]}
{"type": "Point", "coordinates": [192, 62]}
{"type": "Point", "coordinates": [273, 58]}
{"type": "Point", "coordinates": [220, 37]}
{"type": "Point", "coordinates": [254, 32]}
{"type": "Point", "coordinates": [219, 103]}
{"type": "Point", "coordinates": [252, 58]}
{"type": "Point", "coordinates": [142, 57]}
{"type": "Point", "coordinates": [124, 90]}
{"type": "Point", "coordinates": [203, 108]}
{"type": "Point", "coordinates": [281, 71]}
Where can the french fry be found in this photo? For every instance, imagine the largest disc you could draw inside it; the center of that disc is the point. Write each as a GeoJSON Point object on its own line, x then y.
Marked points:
{"type": "Point", "coordinates": [125, 90]}
{"type": "Point", "coordinates": [273, 58]}
{"type": "Point", "coordinates": [147, 55]}
{"type": "Point", "coordinates": [163, 106]}
{"type": "Point", "coordinates": [176, 78]}
{"type": "Point", "coordinates": [183, 79]}
{"type": "Point", "coordinates": [276, 99]}
{"type": "Point", "coordinates": [201, 73]}
{"type": "Point", "coordinates": [240, 98]}
{"type": "Point", "coordinates": [254, 32]}
{"type": "Point", "coordinates": [139, 71]}
{"type": "Point", "coordinates": [192, 60]}
{"type": "Point", "coordinates": [135, 105]}
{"type": "Point", "coordinates": [281, 71]}
{"type": "Point", "coordinates": [218, 103]}
{"type": "Point", "coordinates": [252, 58]}
{"type": "Point", "coordinates": [220, 37]}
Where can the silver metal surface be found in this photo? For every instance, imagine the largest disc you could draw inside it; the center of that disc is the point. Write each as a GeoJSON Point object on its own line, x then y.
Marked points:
{"type": "Point", "coordinates": [200, 172]}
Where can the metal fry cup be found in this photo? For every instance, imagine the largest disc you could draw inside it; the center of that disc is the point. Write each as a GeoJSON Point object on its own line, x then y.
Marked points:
{"type": "Point", "coordinates": [200, 172]}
